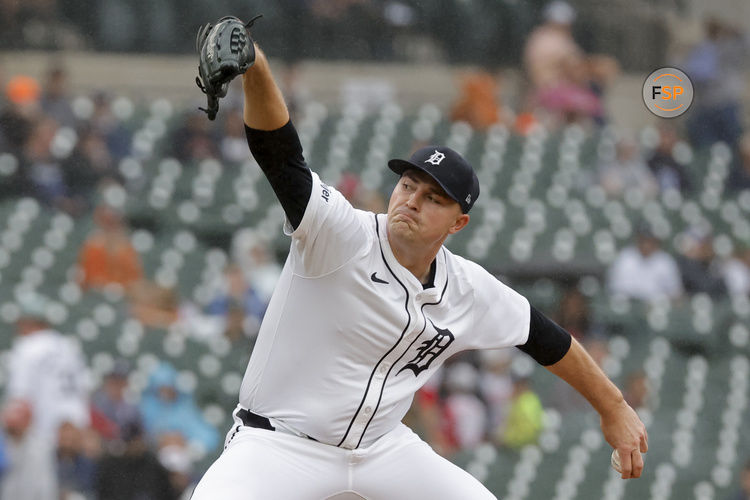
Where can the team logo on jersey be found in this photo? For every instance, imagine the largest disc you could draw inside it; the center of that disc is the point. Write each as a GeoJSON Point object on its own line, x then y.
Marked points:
{"type": "Point", "coordinates": [436, 158]}
{"type": "Point", "coordinates": [429, 350]}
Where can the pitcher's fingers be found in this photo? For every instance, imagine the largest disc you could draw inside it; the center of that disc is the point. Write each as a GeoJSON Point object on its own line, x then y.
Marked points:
{"type": "Point", "coordinates": [626, 463]}
{"type": "Point", "coordinates": [644, 442]}
{"type": "Point", "coordinates": [637, 464]}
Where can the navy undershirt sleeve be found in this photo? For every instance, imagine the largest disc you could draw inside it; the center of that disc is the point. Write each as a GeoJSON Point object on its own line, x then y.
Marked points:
{"type": "Point", "coordinates": [548, 342]}
{"type": "Point", "coordinates": [279, 154]}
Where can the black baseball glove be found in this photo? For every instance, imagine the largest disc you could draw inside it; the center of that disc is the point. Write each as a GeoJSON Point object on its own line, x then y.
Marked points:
{"type": "Point", "coordinates": [225, 50]}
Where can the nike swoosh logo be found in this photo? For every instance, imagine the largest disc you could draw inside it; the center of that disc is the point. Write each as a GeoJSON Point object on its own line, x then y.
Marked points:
{"type": "Point", "coordinates": [377, 280]}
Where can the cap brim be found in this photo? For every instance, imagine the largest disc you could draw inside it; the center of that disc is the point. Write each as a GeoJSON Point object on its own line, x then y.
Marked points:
{"type": "Point", "coordinates": [401, 166]}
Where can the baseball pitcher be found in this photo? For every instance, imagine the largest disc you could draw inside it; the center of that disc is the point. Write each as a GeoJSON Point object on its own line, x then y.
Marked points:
{"type": "Point", "coordinates": [367, 308]}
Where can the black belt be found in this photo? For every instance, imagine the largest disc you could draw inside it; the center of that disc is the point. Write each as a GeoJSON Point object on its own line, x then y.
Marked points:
{"type": "Point", "coordinates": [250, 419]}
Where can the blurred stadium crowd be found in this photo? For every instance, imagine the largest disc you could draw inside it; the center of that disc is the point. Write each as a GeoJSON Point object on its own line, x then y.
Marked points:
{"type": "Point", "coordinates": [340, 29]}
{"type": "Point", "coordinates": [138, 253]}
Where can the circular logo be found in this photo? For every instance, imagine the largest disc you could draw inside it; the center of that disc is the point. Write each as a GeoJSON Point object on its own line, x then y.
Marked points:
{"type": "Point", "coordinates": [668, 92]}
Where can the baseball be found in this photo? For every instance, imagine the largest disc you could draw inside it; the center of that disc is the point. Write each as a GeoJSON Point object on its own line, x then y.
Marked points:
{"type": "Point", "coordinates": [615, 461]}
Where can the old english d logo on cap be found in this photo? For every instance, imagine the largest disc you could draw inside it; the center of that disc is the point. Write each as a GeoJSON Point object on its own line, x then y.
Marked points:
{"type": "Point", "coordinates": [436, 158]}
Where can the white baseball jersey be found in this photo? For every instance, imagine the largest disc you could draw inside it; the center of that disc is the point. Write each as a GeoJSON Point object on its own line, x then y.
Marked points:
{"type": "Point", "coordinates": [47, 369]}
{"type": "Point", "coordinates": [350, 335]}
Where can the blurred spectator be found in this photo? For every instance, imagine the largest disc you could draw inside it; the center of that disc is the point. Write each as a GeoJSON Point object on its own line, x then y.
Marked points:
{"type": "Point", "coordinates": [154, 305]}
{"type": "Point", "coordinates": [574, 314]}
{"type": "Point", "coordinates": [31, 462]}
{"type": "Point", "coordinates": [464, 412]}
{"type": "Point", "coordinates": [132, 472]}
{"type": "Point", "coordinates": [19, 116]}
{"type": "Point", "coordinates": [477, 104]}
{"type": "Point", "coordinates": [525, 120]}
{"type": "Point", "coordinates": [175, 458]}
{"type": "Point", "coordinates": [252, 254]}
{"type": "Point", "coordinates": [524, 422]}
{"type": "Point", "coordinates": [716, 67]}
{"type": "Point", "coordinates": [89, 166]}
{"type": "Point", "coordinates": [359, 195]}
{"type": "Point", "coordinates": [104, 123]}
{"type": "Point", "coordinates": [233, 144]}
{"type": "Point", "coordinates": [744, 492]}
{"type": "Point", "coordinates": [564, 81]}
{"type": "Point", "coordinates": [42, 171]}
{"type": "Point", "coordinates": [644, 271]}
{"type": "Point", "coordinates": [737, 271]}
{"type": "Point", "coordinates": [238, 304]}
{"type": "Point", "coordinates": [348, 185]}
{"type": "Point", "coordinates": [110, 401]}
{"type": "Point", "coordinates": [166, 408]}
{"type": "Point", "coordinates": [428, 415]}
{"type": "Point", "coordinates": [626, 171]}
{"type": "Point", "coordinates": [107, 256]}
{"type": "Point", "coordinates": [76, 465]}
{"type": "Point", "coordinates": [700, 268]}
{"type": "Point", "coordinates": [55, 99]}
{"type": "Point", "coordinates": [496, 384]}
{"type": "Point", "coordinates": [193, 141]}
{"type": "Point", "coordinates": [370, 200]}
{"type": "Point", "coordinates": [551, 53]}
{"type": "Point", "coordinates": [669, 173]}
{"type": "Point", "coordinates": [63, 185]}
{"type": "Point", "coordinates": [3, 453]}
{"type": "Point", "coordinates": [57, 393]}
{"type": "Point", "coordinates": [739, 176]}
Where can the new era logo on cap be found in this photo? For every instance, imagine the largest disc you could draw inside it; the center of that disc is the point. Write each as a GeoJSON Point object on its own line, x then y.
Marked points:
{"type": "Point", "coordinates": [448, 168]}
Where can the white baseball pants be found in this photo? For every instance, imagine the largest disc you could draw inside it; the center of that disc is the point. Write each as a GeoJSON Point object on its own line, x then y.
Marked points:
{"type": "Point", "coordinates": [259, 464]}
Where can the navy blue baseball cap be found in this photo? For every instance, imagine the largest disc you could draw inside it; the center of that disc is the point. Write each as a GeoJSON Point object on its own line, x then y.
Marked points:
{"type": "Point", "coordinates": [448, 168]}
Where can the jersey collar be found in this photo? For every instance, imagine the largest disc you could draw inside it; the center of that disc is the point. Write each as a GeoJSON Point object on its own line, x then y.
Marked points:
{"type": "Point", "coordinates": [406, 277]}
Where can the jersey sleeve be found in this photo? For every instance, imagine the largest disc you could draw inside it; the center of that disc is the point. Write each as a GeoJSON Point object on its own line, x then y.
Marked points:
{"type": "Point", "coordinates": [548, 342]}
{"type": "Point", "coordinates": [330, 233]}
{"type": "Point", "coordinates": [279, 154]}
{"type": "Point", "coordinates": [326, 230]}
{"type": "Point", "coordinates": [501, 315]}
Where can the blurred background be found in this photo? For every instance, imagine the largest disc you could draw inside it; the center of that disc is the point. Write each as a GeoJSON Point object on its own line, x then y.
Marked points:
{"type": "Point", "coordinates": [140, 243]}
